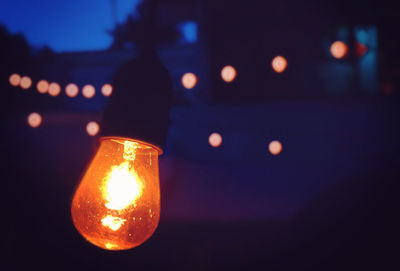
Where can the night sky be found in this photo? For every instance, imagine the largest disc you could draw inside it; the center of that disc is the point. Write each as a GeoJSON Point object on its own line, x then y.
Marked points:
{"type": "Point", "coordinates": [73, 25]}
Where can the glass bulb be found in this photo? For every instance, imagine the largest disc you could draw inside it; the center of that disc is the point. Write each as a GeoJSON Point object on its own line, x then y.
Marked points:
{"type": "Point", "coordinates": [117, 203]}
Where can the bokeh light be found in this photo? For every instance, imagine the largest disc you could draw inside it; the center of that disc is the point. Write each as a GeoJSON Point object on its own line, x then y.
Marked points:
{"type": "Point", "coordinates": [34, 119]}
{"type": "Point", "coordinates": [42, 86]}
{"type": "Point", "coordinates": [88, 91]}
{"type": "Point", "coordinates": [275, 147]}
{"type": "Point", "coordinates": [228, 73]}
{"type": "Point", "coordinates": [71, 90]}
{"type": "Point", "coordinates": [215, 140]}
{"type": "Point", "coordinates": [189, 80]}
{"type": "Point", "coordinates": [54, 89]}
{"type": "Point", "coordinates": [92, 128]}
{"type": "Point", "coordinates": [279, 64]}
{"type": "Point", "coordinates": [14, 79]}
{"type": "Point", "coordinates": [26, 82]}
{"type": "Point", "coordinates": [106, 90]}
{"type": "Point", "coordinates": [338, 49]}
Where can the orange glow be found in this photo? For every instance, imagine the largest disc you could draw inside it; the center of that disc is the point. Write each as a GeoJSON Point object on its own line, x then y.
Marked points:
{"type": "Point", "coordinates": [71, 90]}
{"type": "Point", "coordinates": [228, 73]}
{"type": "Point", "coordinates": [34, 120]}
{"type": "Point", "coordinates": [42, 86]}
{"type": "Point", "coordinates": [117, 203]}
{"type": "Point", "coordinates": [54, 89]}
{"type": "Point", "coordinates": [215, 140]}
{"type": "Point", "coordinates": [279, 64]}
{"type": "Point", "coordinates": [25, 82]}
{"type": "Point", "coordinates": [92, 128]}
{"type": "Point", "coordinates": [112, 222]}
{"type": "Point", "coordinates": [14, 79]}
{"type": "Point", "coordinates": [88, 91]}
{"type": "Point", "coordinates": [189, 80]}
{"type": "Point", "coordinates": [275, 147]}
{"type": "Point", "coordinates": [338, 49]}
{"type": "Point", "coordinates": [107, 90]}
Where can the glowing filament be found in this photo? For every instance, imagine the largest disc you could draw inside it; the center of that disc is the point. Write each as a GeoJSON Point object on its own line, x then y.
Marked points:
{"type": "Point", "coordinates": [122, 187]}
{"type": "Point", "coordinates": [117, 203]}
{"type": "Point", "coordinates": [114, 223]}
{"type": "Point", "coordinates": [130, 150]}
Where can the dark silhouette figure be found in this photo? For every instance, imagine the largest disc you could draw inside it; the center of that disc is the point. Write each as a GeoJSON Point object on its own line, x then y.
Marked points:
{"type": "Point", "coordinates": [139, 107]}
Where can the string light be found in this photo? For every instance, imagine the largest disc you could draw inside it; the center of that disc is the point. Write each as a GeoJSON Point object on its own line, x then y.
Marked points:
{"type": "Point", "coordinates": [107, 90]}
{"type": "Point", "coordinates": [338, 49]}
{"type": "Point", "coordinates": [189, 80]}
{"type": "Point", "coordinates": [14, 79]}
{"type": "Point", "coordinates": [92, 128]}
{"type": "Point", "coordinates": [275, 147]}
{"type": "Point", "coordinates": [279, 64]}
{"type": "Point", "coordinates": [54, 89]}
{"type": "Point", "coordinates": [71, 90]}
{"type": "Point", "coordinates": [228, 73]}
{"type": "Point", "coordinates": [88, 91]}
{"type": "Point", "coordinates": [26, 82]}
{"type": "Point", "coordinates": [215, 140]}
{"type": "Point", "coordinates": [34, 119]}
{"type": "Point", "coordinates": [42, 86]}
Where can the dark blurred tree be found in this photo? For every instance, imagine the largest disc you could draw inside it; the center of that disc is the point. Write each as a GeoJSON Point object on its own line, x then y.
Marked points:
{"type": "Point", "coordinates": [144, 29]}
{"type": "Point", "coordinates": [17, 57]}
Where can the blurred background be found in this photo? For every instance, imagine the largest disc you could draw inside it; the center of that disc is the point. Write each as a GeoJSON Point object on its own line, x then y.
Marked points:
{"type": "Point", "coordinates": [283, 144]}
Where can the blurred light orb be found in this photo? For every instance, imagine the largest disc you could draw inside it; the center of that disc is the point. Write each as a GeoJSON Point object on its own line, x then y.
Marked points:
{"type": "Point", "coordinates": [42, 86]}
{"type": "Point", "coordinates": [106, 90]}
{"type": "Point", "coordinates": [338, 49]}
{"type": "Point", "coordinates": [92, 128]}
{"type": "Point", "coordinates": [88, 91]}
{"type": "Point", "coordinates": [279, 64]}
{"type": "Point", "coordinates": [54, 89]}
{"type": "Point", "coordinates": [71, 90]}
{"type": "Point", "coordinates": [228, 73]}
{"type": "Point", "coordinates": [34, 119]}
{"type": "Point", "coordinates": [14, 79]}
{"type": "Point", "coordinates": [275, 147]}
{"type": "Point", "coordinates": [26, 82]}
{"type": "Point", "coordinates": [215, 140]}
{"type": "Point", "coordinates": [189, 80]}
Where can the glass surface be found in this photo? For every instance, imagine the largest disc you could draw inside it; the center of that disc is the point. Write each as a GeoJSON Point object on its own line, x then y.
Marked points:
{"type": "Point", "coordinates": [117, 203]}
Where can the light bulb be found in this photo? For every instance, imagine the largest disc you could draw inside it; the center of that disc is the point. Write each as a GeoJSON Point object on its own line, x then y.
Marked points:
{"type": "Point", "coordinates": [117, 204]}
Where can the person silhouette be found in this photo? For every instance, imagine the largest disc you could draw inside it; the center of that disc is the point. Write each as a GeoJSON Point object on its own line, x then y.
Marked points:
{"type": "Point", "coordinates": [142, 97]}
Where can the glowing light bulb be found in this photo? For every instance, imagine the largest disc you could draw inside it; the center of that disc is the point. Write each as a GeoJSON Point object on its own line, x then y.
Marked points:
{"type": "Point", "coordinates": [26, 82]}
{"type": "Point", "coordinates": [71, 90]}
{"type": "Point", "coordinates": [106, 90]}
{"type": "Point", "coordinates": [117, 204]}
{"type": "Point", "coordinates": [92, 128]}
{"type": "Point", "coordinates": [228, 73]}
{"type": "Point", "coordinates": [54, 89]}
{"type": "Point", "coordinates": [42, 86]}
{"type": "Point", "coordinates": [14, 79]}
{"type": "Point", "coordinates": [189, 80]}
{"type": "Point", "coordinates": [215, 140]}
{"type": "Point", "coordinates": [279, 64]}
{"type": "Point", "coordinates": [338, 49]}
{"type": "Point", "coordinates": [275, 147]}
{"type": "Point", "coordinates": [34, 119]}
{"type": "Point", "coordinates": [88, 91]}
